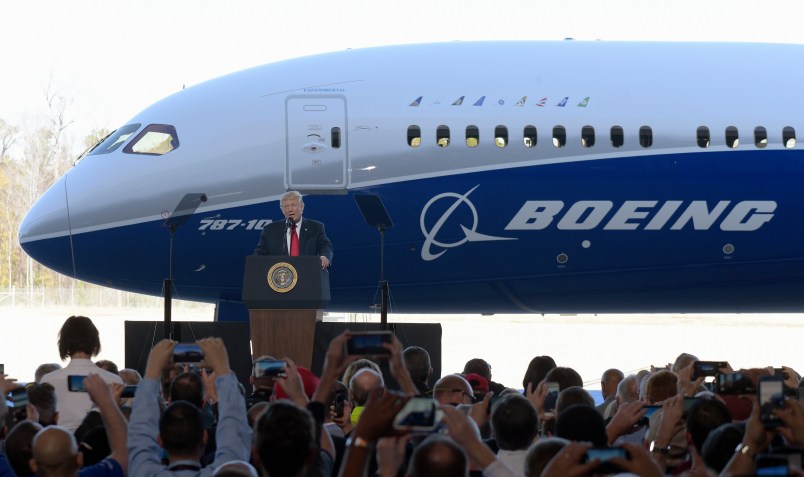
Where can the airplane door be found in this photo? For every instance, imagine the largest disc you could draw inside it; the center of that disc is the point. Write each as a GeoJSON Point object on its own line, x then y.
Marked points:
{"type": "Point", "coordinates": [316, 143]}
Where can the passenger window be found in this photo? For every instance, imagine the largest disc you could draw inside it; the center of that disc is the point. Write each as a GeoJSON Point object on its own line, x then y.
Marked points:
{"type": "Point", "coordinates": [617, 136]}
{"type": "Point", "coordinates": [501, 136]}
{"type": "Point", "coordinates": [529, 136]}
{"type": "Point", "coordinates": [154, 140]}
{"type": "Point", "coordinates": [732, 137]}
{"type": "Point", "coordinates": [414, 136]}
{"type": "Point", "coordinates": [336, 138]}
{"type": "Point", "coordinates": [760, 137]}
{"type": "Point", "coordinates": [789, 137]}
{"type": "Point", "coordinates": [645, 136]}
{"type": "Point", "coordinates": [114, 140]}
{"type": "Point", "coordinates": [587, 136]}
{"type": "Point", "coordinates": [472, 136]}
{"type": "Point", "coordinates": [703, 137]}
{"type": "Point", "coordinates": [559, 136]}
{"type": "Point", "coordinates": [442, 136]}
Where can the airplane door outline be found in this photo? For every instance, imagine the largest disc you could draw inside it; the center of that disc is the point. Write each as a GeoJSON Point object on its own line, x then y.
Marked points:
{"type": "Point", "coordinates": [317, 152]}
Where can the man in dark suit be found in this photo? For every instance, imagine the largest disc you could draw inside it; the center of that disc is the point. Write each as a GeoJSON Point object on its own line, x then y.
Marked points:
{"type": "Point", "coordinates": [278, 238]}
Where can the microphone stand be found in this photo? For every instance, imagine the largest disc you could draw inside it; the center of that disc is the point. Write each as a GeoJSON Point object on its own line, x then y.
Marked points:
{"type": "Point", "coordinates": [180, 215]}
{"type": "Point", "coordinates": [376, 216]}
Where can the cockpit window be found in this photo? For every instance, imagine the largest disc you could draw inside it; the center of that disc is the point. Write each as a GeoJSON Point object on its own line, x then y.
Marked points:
{"type": "Point", "coordinates": [154, 140]}
{"type": "Point", "coordinates": [114, 140]}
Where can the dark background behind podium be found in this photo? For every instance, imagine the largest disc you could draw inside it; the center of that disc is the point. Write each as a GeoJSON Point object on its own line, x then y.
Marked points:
{"type": "Point", "coordinates": [142, 335]}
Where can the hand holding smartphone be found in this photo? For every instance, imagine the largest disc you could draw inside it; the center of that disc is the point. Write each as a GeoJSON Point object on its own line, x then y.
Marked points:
{"type": "Point", "coordinates": [551, 399]}
{"type": "Point", "coordinates": [75, 384]}
{"type": "Point", "coordinates": [187, 353]}
{"type": "Point", "coordinates": [770, 394]}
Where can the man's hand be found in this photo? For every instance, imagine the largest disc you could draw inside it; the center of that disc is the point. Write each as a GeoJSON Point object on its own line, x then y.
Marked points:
{"type": "Point", "coordinates": [686, 386]}
{"type": "Point", "coordinates": [99, 391]}
{"type": "Point", "coordinates": [378, 415]}
{"type": "Point", "coordinates": [215, 356]}
{"type": "Point", "coordinates": [624, 421]}
{"type": "Point", "coordinates": [159, 359]}
{"type": "Point", "coordinates": [324, 262]}
{"type": "Point", "coordinates": [336, 361]}
{"type": "Point", "coordinates": [391, 455]}
{"type": "Point", "coordinates": [292, 383]}
{"type": "Point", "coordinates": [569, 462]}
{"type": "Point", "coordinates": [793, 417]}
{"type": "Point", "coordinates": [481, 411]}
{"type": "Point", "coordinates": [210, 390]}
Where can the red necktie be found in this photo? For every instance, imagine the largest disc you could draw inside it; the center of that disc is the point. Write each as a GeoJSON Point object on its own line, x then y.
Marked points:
{"type": "Point", "coordinates": [294, 242]}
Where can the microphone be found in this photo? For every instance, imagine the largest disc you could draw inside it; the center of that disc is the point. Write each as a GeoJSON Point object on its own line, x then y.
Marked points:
{"type": "Point", "coordinates": [289, 223]}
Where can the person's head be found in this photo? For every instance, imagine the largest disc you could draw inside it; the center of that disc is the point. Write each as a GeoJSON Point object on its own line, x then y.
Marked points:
{"type": "Point", "coordinates": [43, 397]}
{"type": "Point", "coordinates": [130, 376]}
{"type": "Point", "coordinates": [719, 446]}
{"type": "Point", "coordinates": [540, 454]}
{"type": "Point", "coordinates": [661, 385]}
{"type": "Point", "coordinates": [292, 205]}
{"type": "Point", "coordinates": [478, 366]}
{"type": "Point", "coordinates": [78, 335]}
{"type": "Point", "coordinates": [44, 369]}
{"type": "Point", "coordinates": [107, 365]}
{"type": "Point", "coordinates": [438, 456]}
{"type": "Point", "coordinates": [537, 370]}
{"type": "Point", "coordinates": [453, 389]}
{"type": "Point", "coordinates": [609, 381]}
{"type": "Point", "coordinates": [236, 468]}
{"type": "Point", "coordinates": [514, 423]}
{"type": "Point", "coordinates": [703, 417]}
{"type": "Point", "coordinates": [55, 453]}
{"type": "Point", "coordinates": [356, 366]}
{"type": "Point", "coordinates": [582, 423]}
{"type": "Point", "coordinates": [19, 447]}
{"type": "Point", "coordinates": [627, 390]}
{"type": "Point", "coordinates": [188, 387]}
{"type": "Point", "coordinates": [571, 396]}
{"type": "Point", "coordinates": [417, 360]}
{"type": "Point", "coordinates": [284, 439]}
{"type": "Point", "coordinates": [565, 377]}
{"type": "Point", "coordinates": [682, 361]}
{"type": "Point", "coordinates": [363, 383]}
{"type": "Point", "coordinates": [181, 430]}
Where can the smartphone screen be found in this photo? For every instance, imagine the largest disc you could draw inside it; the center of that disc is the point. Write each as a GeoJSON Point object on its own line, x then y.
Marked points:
{"type": "Point", "coordinates": [770, 396]}
{"type": "Point", "coordinates": [187, 353]}
{"type": "Point", "coordinates": [76, 384]}
{"type": "Point", "coordinates": [604, 455]}
{"type": "Point", "coordinates": [269, 368]}
{"type": "Point", "coordinates": [418, 414]}
{"type": "Point", "coordinates": [129, 391]}
{"type": "Point", "coordinates": [706, 368]}
{"type": "Point", "coordinates": [368, 343]}
{"type": "Point", "coordinates": [551, 398]}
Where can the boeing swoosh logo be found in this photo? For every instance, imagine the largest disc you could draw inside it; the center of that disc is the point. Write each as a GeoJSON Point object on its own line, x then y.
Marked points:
{"type": "Point", "coordinates": [470, 234]}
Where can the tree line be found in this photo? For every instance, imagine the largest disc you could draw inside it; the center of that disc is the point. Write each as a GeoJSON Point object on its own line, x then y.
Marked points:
{"type": "Point", "coordinates": [32, 157]}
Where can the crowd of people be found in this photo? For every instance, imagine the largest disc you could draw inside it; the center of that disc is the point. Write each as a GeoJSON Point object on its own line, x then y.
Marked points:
{"type": "Point", "coordinates": [198, 420]}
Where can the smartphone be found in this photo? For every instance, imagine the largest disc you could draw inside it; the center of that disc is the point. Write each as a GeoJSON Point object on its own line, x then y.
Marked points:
{"type": "Point", "coordinates": [129, 391]}
{"type": "Point", "coordinates": [17, 398]}
{"type": "Point", "coordinates": [604, 455]}
{"type": "Point", "coordinates": [187, 353]}
{"type": "Point", "coordinates": [75, 384]}
{"type": "Point", "coordinates": [770, 394]}
{"type": "Point", "coordinates": [368, 343]}
{"type": "Point", "coordinates": [2, 368]}
{"type": "Point", "coordinates": [340, 399]}
{"type": "Point", "coordinates": [418, 414]}
{"type": "Point", "coordinates": [734, 384]}
{"type": "Point", "coordinates": [551, 398]}
{"type": "Point", "coordinates": [707, 368]}
{"type": "Point", "coordinates": [791, 455]}
{"type": "Point", "coordinates": [269, 368]}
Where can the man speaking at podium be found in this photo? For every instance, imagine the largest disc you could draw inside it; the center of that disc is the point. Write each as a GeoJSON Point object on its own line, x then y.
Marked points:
{"type": "Point", "coordinates": [295, 236]}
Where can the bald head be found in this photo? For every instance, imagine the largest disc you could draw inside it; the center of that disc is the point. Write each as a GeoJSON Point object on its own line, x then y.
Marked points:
{"type": "Point", "coordinates": [453, 389]}
{"type": "Point", "coordinates": [55, 452]}
{"type": "Point", "coordinates": [363, 383]}
{"type": "Point", "coordinates": [609, 381]}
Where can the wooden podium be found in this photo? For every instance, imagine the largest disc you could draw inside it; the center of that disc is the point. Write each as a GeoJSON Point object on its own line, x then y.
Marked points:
{"type": "Point", "coordinates": [285, 297]}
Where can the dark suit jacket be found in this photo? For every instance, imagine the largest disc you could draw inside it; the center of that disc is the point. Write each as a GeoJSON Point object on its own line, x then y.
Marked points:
{"type": "Point", "coordinates": [313, 239]}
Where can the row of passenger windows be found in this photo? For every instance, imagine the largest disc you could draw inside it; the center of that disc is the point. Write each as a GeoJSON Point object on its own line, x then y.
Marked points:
{"type": "Point", "coordinates": [616, 137]}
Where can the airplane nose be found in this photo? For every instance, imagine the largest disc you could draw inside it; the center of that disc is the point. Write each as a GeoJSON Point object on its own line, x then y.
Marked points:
{"type": "Point", "coordinates": [44, 233]}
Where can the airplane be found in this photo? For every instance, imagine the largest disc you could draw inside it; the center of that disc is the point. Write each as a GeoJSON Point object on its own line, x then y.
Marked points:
{"type": "Point", "coordinates": [521, 177]}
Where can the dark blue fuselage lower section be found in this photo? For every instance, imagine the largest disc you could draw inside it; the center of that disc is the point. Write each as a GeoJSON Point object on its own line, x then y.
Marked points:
{"type": "Point", "coordinates": [665, 233]}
